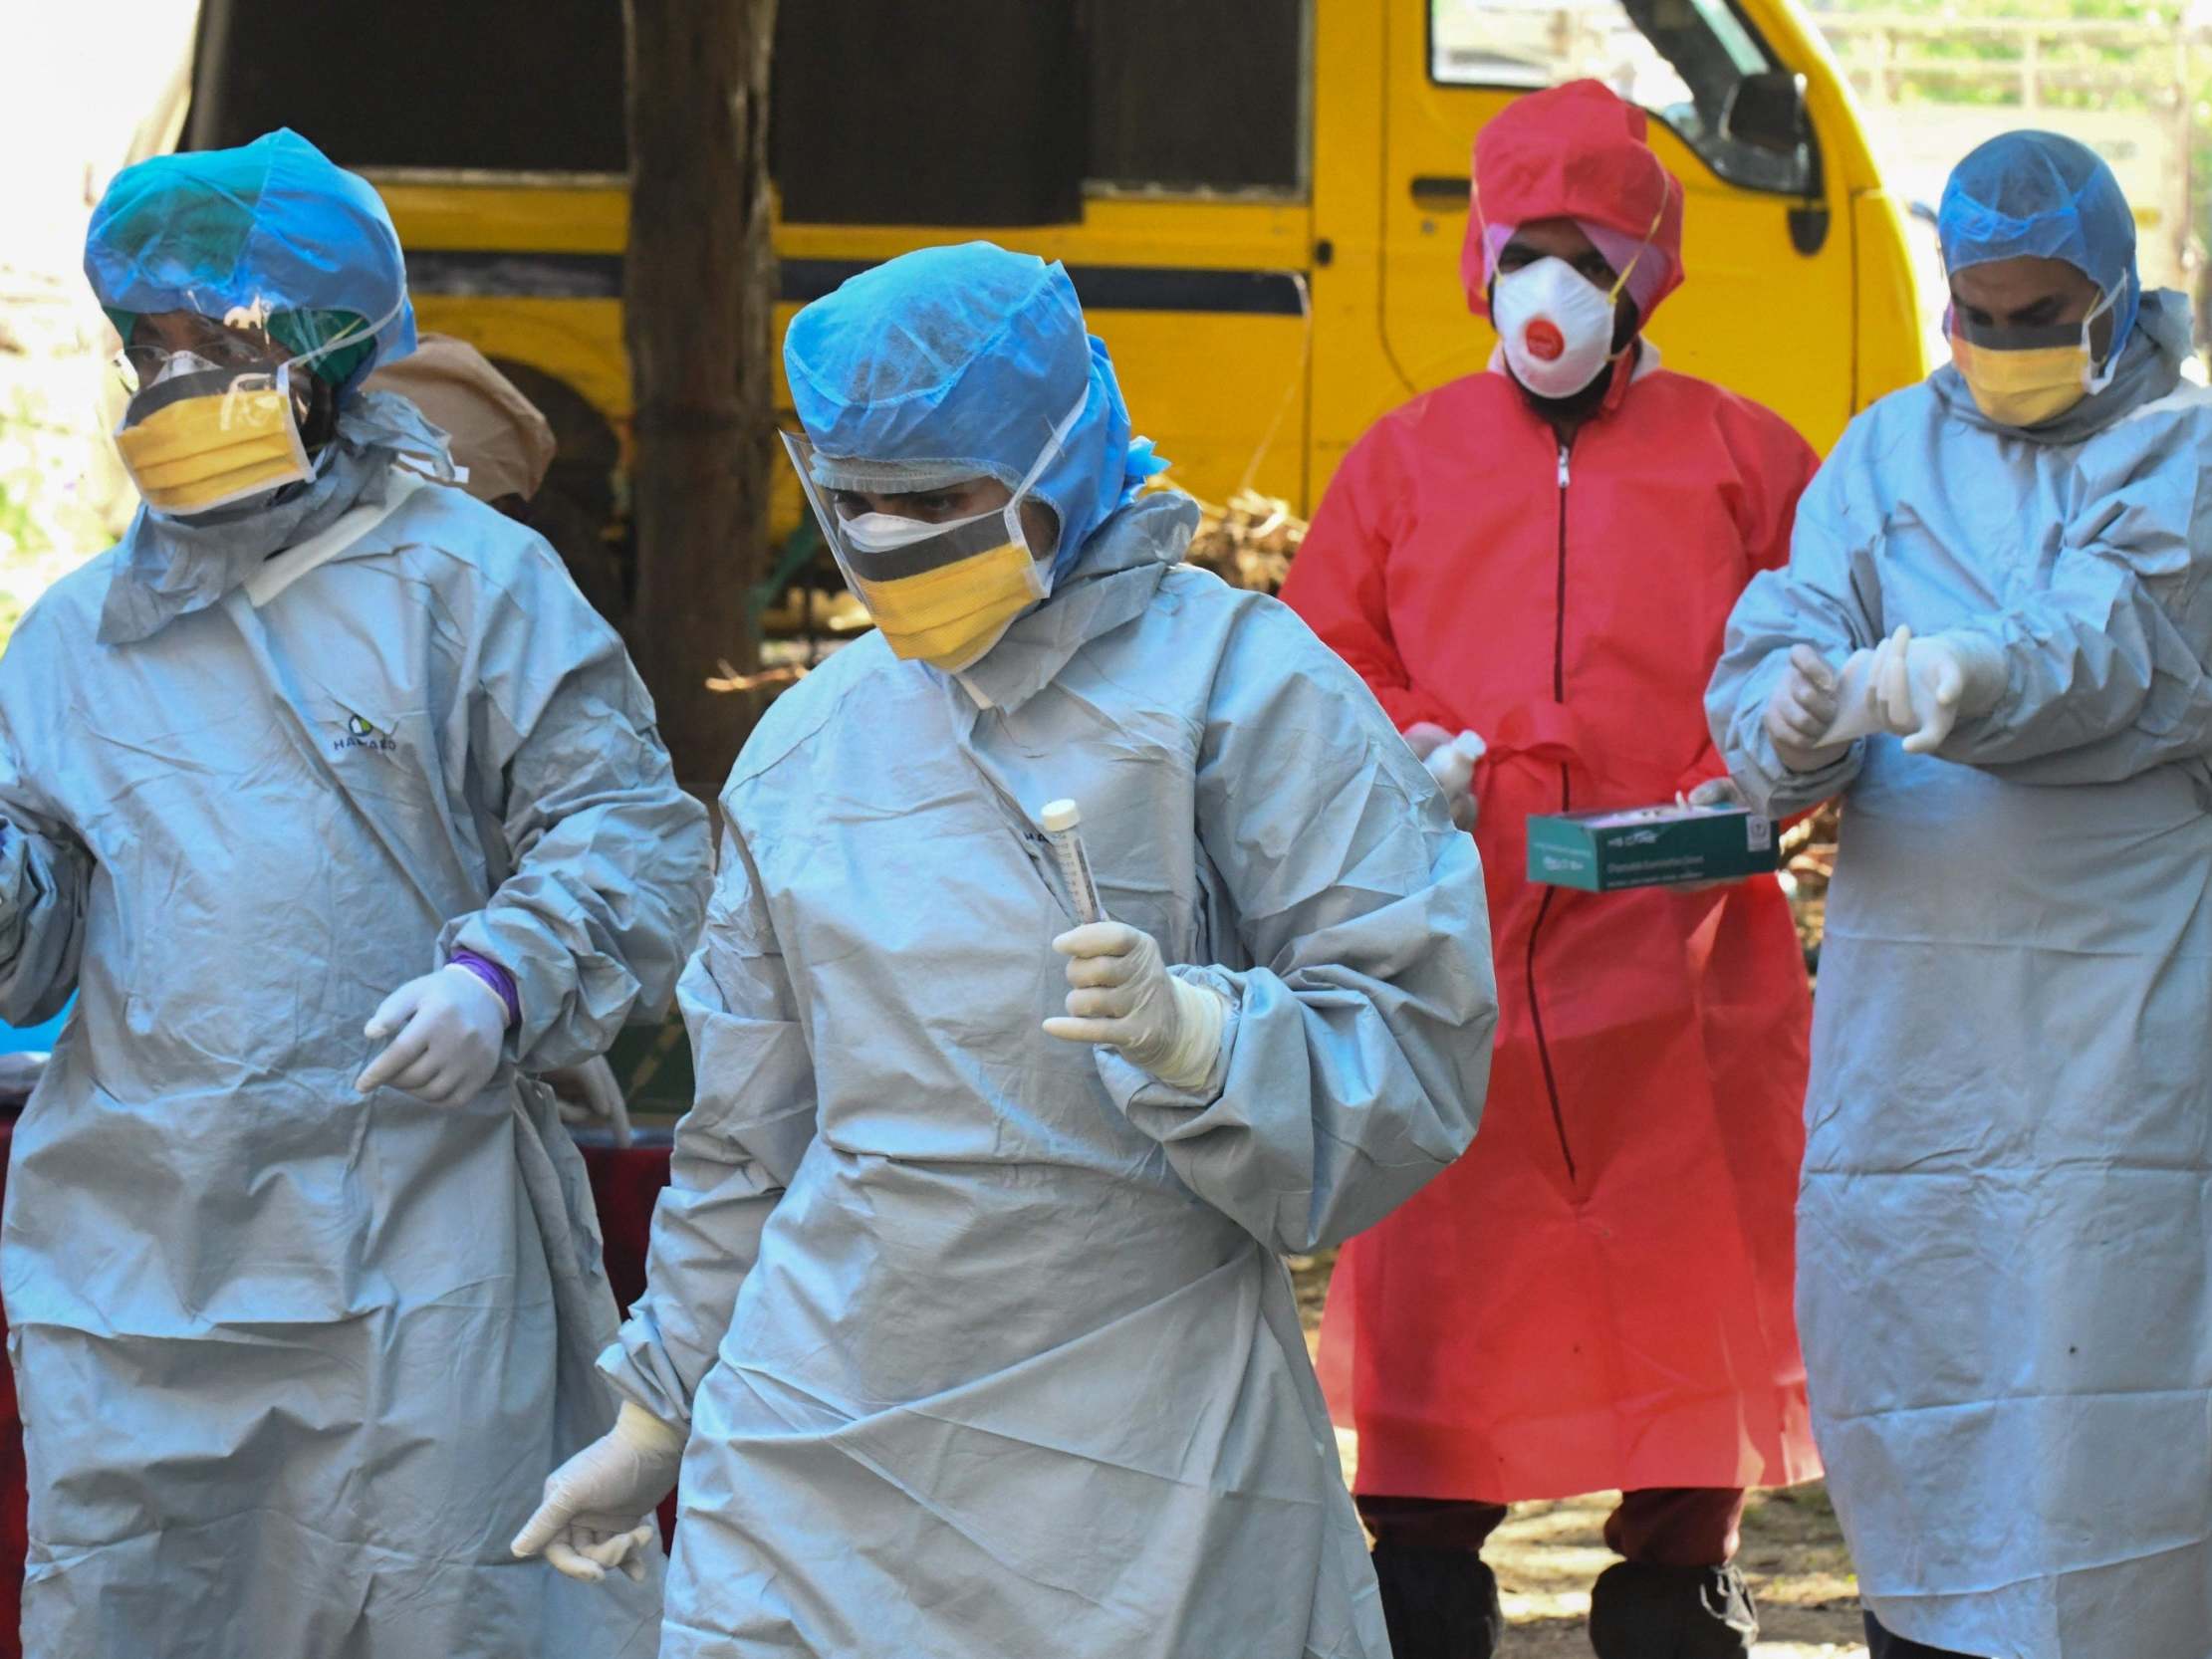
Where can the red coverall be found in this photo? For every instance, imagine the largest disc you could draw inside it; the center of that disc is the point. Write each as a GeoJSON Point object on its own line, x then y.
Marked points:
{"type": "Point", "coordinates": [1599, 1294]}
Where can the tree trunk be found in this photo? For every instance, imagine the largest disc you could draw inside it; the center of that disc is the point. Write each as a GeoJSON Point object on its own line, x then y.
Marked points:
{"type": "Point", "coordinates": [698, 293]}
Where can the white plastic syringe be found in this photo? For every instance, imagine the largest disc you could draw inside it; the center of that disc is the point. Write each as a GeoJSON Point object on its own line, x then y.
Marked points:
{"type": "Point", "coordinates": [1061, 821]}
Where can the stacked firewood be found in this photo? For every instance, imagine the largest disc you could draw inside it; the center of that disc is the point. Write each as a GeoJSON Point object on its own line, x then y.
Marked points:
{"type": "Point", "coordinates": [1808, 861]}
{"type": "Point", "coordinates": [1250, 542]}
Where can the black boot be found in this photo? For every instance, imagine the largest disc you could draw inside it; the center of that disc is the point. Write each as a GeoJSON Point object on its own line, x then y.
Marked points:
{"type": "Point", "coordinates": [1438, 1603]}
{"type": "Point", "coordinates": [1881, 1645]}
{"type": "Point", "coordinates": [1641, 1611]}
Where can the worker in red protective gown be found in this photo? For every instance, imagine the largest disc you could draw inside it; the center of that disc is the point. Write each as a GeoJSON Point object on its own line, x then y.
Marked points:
{"type": "Point", "coordinates": [1598, 1296]}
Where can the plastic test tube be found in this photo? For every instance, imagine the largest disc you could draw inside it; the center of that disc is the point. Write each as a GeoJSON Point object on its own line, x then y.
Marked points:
{"type": "Point", "coordinates": [1063, 824]}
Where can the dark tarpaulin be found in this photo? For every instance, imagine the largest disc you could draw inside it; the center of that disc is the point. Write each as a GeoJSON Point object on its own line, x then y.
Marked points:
{"type": "Point", "coordinates": [928, 113]}
{"type": "Point", "coordinates": [1197, 94]}
{"type": "Point", "coordinates": [885, 112]}
{"type": "Point", "coordinates": [456, 83]}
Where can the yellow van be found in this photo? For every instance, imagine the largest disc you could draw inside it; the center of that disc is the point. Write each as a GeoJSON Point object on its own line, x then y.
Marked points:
{"type": "Point", "coordinates": [1261, 201]}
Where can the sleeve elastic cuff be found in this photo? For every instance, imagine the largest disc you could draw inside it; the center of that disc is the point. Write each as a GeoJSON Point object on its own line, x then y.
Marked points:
{"type": "Point", "coordinates": [493, 975]}
{"type": "Point", "coordinates": [1988, 672]}
{"type": "Point", "coordinates": [639, 1426]}
{"type": "Point", "coordinates": [1129, 1084]}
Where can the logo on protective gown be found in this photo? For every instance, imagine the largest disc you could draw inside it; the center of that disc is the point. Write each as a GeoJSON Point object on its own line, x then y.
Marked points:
{"type": "Point", "coordinates": [359, 734]}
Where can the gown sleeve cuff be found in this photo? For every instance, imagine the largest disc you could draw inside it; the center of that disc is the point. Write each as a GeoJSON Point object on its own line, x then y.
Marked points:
{"type": "Point", "coordinates": [493, 975]}
{"type": "Point", "coordinates": [1131, 1084]}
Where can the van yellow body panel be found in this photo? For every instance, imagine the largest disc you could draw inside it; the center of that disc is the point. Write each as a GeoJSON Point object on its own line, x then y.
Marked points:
{"type": "Point", "coordinates": [555, 215]}
{"type": "Point", "coordinates": [580, 342]}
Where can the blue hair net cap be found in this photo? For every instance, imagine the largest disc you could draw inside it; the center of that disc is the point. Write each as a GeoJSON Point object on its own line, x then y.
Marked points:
{"type": "Point", "coordinates": [2046, 196]}
{"type": "Point", "coordinates": [958, 362]}
{"type": "Point", "coordinates": [274, 223]}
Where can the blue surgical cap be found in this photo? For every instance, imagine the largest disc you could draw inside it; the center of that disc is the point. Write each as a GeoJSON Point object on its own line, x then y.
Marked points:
{"type": "Point", "coordinates": [273, 224]}
{"type": "Point", "coordinates": [958, 362]}
{"type": "Point", "coordinates": [2047, 196]}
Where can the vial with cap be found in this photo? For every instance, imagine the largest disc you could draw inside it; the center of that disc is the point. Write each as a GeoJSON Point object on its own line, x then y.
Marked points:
{"type": "Point", "coordinates": [1061, 821]}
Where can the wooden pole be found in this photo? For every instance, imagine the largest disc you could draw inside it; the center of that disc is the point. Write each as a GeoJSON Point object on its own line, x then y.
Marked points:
{"type": "Point", "coordinates": [698, 293]}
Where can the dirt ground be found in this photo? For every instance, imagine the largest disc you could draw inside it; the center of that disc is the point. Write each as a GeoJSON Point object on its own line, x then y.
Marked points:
{"type": "Point", "coordinates": [1548, 1554]}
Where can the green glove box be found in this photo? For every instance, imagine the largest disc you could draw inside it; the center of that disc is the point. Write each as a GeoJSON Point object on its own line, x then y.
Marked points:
{"type": "Point", "coordinates": [1649, 846]}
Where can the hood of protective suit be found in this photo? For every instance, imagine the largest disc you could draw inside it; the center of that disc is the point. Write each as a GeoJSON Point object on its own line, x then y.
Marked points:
{"type": "Point", "coordinates": [1112, 579]}
{"type": "Point", "coordinates": [2149, 368]}
{"type": "Point", "coordinates": [168, 567]}
{"type": "Point", "coordinates": [1575, 151]}
{"type": "Point", "coordinates": [960, 361]}
{"type": "Point", "coordinates": [2043, 196]}
{"type": "Point", "coordinates": [273, 227]}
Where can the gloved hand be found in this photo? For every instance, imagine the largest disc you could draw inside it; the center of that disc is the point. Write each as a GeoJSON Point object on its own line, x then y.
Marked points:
{"type": "Point", "coordinates": [1451, 762]}
{"type": "Point", "coordinates": [598, 1510]}
{"type": "Point", "coordinates": [1122, 997]}
{"type": "Point", "coordinates": [1801, 711]}
{"type": "Point", "coordinates": [588, 1093]}
{"type": "Point", "coordinates": [452, 1026]}
{"type": "Point", "coordinates": [1425, 738]}
{"type": "Point", "coordinates": [1716, 791]}
{"type": "Point", "coordinates": [1920, 687]}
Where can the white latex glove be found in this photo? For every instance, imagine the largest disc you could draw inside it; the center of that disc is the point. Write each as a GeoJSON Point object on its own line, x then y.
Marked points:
{"type": "Point", "coordinates": [1425, 738]}
{"type": "Point", "coordinates": [1920, 687]}
{"type": "Point", "coordinates": [1452, 765]}
{"type": "Point", "coordinates": [598, 1510]}
{"type": "Point", "coordinates": [1716, 791]}
{"type": "Point", "coordinates": [451, 1025]}
{"type": "Point", "coordinates": [1122, 997]}
{"type": "Point", "coordinates": [588, 1093]}
{"type": "Point", "coordinates": [1801, 711]}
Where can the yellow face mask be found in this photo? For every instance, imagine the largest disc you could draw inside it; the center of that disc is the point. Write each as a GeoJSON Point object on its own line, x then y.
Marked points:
{"type": "Point", "coordinates": [212, 437]}
{"type": "Point", "coordinates": [2026, 376]}
{"type": "Point", "coordinates": [941, 594]}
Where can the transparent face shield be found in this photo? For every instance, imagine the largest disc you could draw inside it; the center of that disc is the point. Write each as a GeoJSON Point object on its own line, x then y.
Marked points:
{"type": "Point", "coordinates": [940, 592]}
{"type": "Point", "coordinates": [216, 421]}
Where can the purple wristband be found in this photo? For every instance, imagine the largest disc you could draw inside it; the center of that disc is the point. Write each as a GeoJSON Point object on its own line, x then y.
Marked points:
{"type": "Point", "coordinates": [493, 975]}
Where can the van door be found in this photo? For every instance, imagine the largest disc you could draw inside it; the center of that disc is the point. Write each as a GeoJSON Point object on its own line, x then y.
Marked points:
{"type": "Point", "coordinates": [1768, 305]}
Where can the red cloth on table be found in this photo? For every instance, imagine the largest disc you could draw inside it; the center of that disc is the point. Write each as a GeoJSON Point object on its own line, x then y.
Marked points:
{"type": "Point", "coordinates": [625, 1185]}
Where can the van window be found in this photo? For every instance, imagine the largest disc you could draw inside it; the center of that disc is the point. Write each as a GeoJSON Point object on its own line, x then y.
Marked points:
{"type": "Point", "coordinates": [897, 113]}
{"type": "Point", "coordinates": [416, 83]}
{"type": "Point", "coordinates": [1188, 96]}
{"type": "Point", "coordinates": [1684, 61]}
